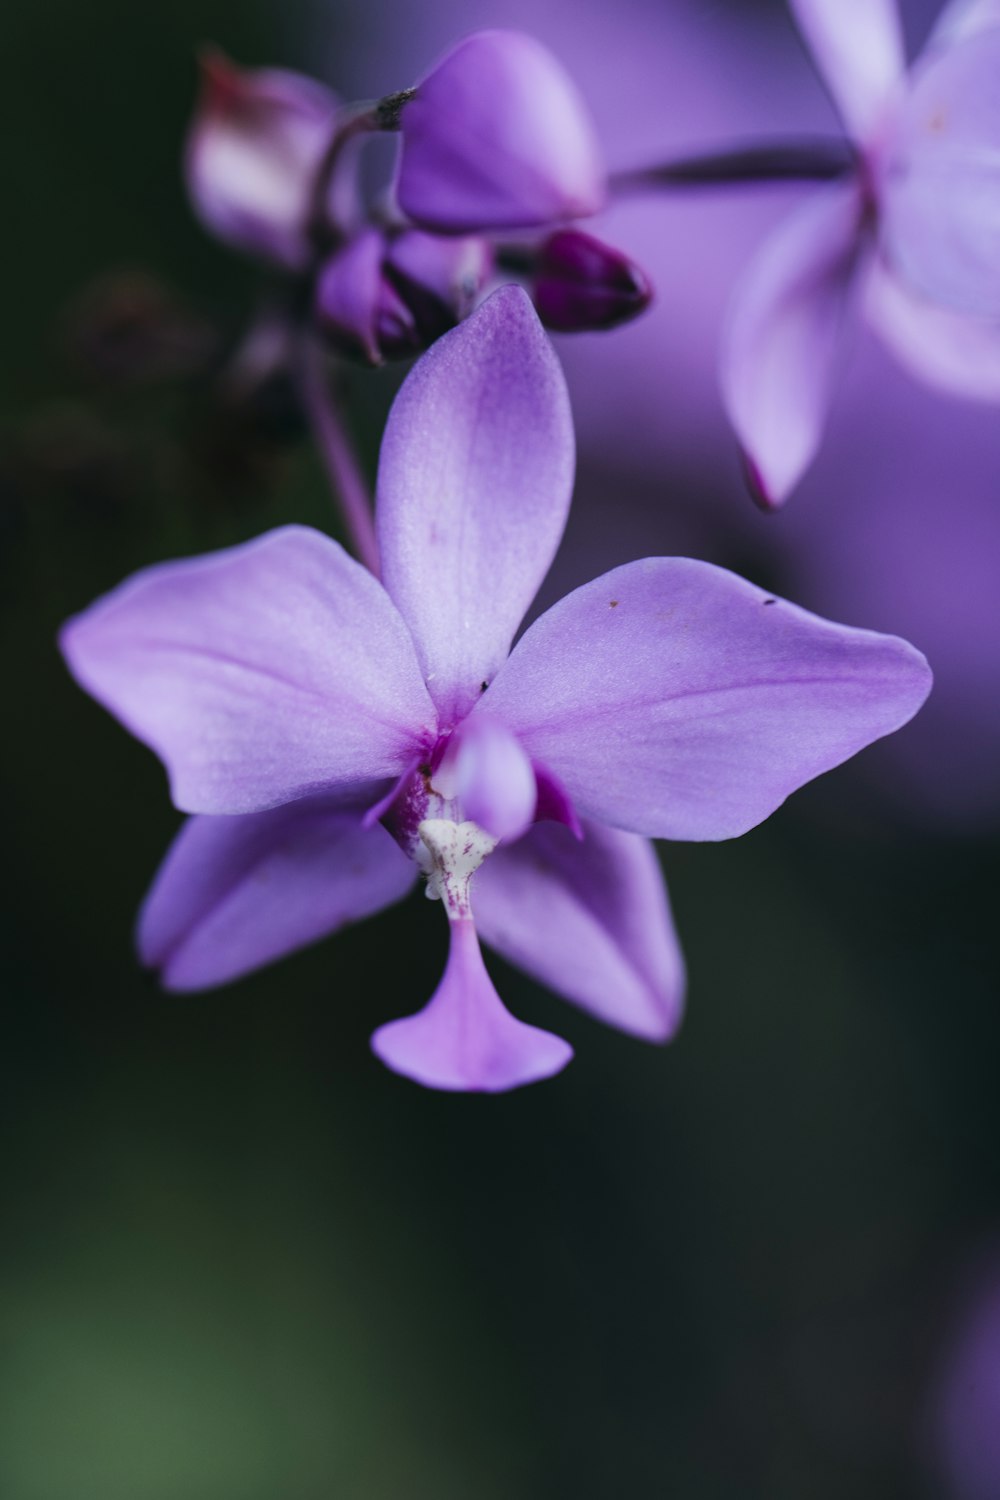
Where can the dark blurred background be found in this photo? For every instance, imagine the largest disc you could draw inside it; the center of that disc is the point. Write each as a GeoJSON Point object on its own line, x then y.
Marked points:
{"type": "Point", "coordinates": [242, 1261]}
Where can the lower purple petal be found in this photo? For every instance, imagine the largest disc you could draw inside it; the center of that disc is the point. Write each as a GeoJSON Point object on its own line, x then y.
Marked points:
{"type": "Point", "coordinates": [464, 1038]}
{"type": "Point", "coordinates": [235, 893]}
{"type": "Point", "coordinates": [590, 920]}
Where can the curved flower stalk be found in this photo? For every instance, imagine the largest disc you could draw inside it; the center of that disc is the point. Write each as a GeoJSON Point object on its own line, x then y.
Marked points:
{"type": "Point", "coordinates": [913, 233]}
{"type": "Point", "coordinates": [334, 735]}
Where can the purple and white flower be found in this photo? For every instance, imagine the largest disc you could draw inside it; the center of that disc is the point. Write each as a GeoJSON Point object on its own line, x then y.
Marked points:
{"type": "Point", "coordinates": [914, 232]}
{"type": "Point", "coordinates": [333, 734]}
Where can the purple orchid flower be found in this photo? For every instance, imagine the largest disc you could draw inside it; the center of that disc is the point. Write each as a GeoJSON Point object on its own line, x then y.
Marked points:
{"type": "Point", "coordinates": [915, 229]}
{"type": "Point", "coordinates": [306, 712]}
{"type": "Point", "coordinates": [255, 145]}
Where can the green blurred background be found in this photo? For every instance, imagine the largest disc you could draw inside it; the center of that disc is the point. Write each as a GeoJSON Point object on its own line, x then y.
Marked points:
{"type": "Point", "coordinates": [243, 1262]}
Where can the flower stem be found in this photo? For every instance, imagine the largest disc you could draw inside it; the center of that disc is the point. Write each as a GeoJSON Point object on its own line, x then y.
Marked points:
{"type": "Point", "coordinates": [819, 160]}
{"type": "Point", "coordinates": [337, 453]}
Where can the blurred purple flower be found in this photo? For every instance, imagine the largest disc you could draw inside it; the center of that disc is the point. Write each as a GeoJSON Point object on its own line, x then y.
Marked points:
{"type": "Point", "coordinates": [280, 682]}
{"type": "Point", "coordinates": [390, 294]}
{"type": "Point", "coordinates": [497, 137]}
{"type": "Point", "coordinates": [254, 147]}
{"type": "Point", "coordinates": [916, 228]}
{"type": "Point", "coordinates": [578, 283]}
{"type": "Point", "coordinates": [965, 1421]}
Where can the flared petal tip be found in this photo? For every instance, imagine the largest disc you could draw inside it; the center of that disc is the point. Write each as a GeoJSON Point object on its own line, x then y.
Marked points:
{"type": "Point", "coordinates": [527, 1055]}
{"type": "Point", "coordinates": [766, 498]}
{"type": "Point", "coordinates": [464, 1040]}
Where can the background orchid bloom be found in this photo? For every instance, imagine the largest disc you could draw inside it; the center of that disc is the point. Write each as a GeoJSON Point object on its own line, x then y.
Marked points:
{"type": "Point", "coordinates": [915, 230]}
{"type": "Point", "coordinates": [497, 137]}
{"type": "Point", "coordinates": [280, 682]}
{"type": "Point", "coordinates": [253, 150]}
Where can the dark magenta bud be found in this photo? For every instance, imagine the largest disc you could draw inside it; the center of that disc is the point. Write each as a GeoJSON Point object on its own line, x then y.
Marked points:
{"type": "Point", "coordinates": [580, 284]}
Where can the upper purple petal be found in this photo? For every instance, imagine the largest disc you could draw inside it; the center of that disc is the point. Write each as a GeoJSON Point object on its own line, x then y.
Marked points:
{"type": "Point", "coordinates": [677, 700]}
{"type": "Point", "coordinates": [858, 48]}
{"type": "Point", "coordinates": [236, 893]}
{"type": "Point", "coordinates": [941, 196]}
{"type": "Point", "coordinates": [955, 353]}
{"type": "Point", "coordinates": [785, 334]}
{"type": "Point", "coordinates": [589, 919]}
{"type": "Point", "coordinates": [259, 674]}
{"type": "Point", "coordinates": [497, 137]}
{"type": "Point", "coordinates": [473, 492]}
{"type": "Point", "coordinates": [256, 141]}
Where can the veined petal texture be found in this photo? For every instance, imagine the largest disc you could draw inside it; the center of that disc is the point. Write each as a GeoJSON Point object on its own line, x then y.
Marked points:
{"type": "Point", "coordinates": [259, 674]}
{"type": "Point", "coordinates": [674, 699]}
{"type": "Point", "coordinates": [474, 487]}
{"type": "Point", "coordinates": [857, 46]}
{"type": "Point", "coordinates": [235, 893]}
{"type": "Point", "coordinates": [606, 940]}
{"type": "Point", "coordinates": [784, 338]}
{"type": "Point", "coordinates": [497, 137]}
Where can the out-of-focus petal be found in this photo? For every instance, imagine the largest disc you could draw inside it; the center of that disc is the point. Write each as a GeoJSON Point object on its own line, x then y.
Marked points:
{"type": "Point", "coordinates": [957, 354]}
{"type": "Point", "coordinates": [677, 700]}
{"type": "Point", "coordinates": [256, 141]}
{"type": "Point", "coordinates": [358, 309]}
{"type": "Point", "coordinates": [464, 1038]}
{"type": "Point", "coordinates": [236, 893]}
{"type": "Point", "coordinates": [784, 338]}
{"type": "Point", "coordinates": [962, 19]}
{"type": "Point", "coordinates": [591, 920]}
{"type": "Point", "coordinates": [497, 137]}
{"type": "Point", "coordinates": [857, 46]}
{"type": "Point", "coordinates": [493, 778]}
{"type": "Point", "coordinates": [259, 674]}
{"type": "Point", "coordinates": [438, 278]}
{"type": "Point", "coordinates": [473, 491]}
{"type": "Point", "coordinates": [940, 220]}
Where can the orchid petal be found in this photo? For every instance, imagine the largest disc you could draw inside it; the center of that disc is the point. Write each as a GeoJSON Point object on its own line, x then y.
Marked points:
{"type": "Point", "coordinates": [259, 674]}
{"type": "Point", "coordinates": [497, 137]}
{"type": "Point", "coordinates": [784, 338]}
{"type": "Point", "coordinates": [857, 46]}
{"type": "Point", "coordinates": [464, 1038]}
{"type": "Point", "coordinates": [677, 700]}
{"type": "Point", "coordinates": [957, 354]}
{"type": "Point", "coordinates": [963, 19]}
{"type": "Point", "coordinates": [236, 893]}
{"type": "Point", "coordinates": [255, 145]}
{"type": "Point", "coordinates": [606, 941]}
{"type": "Point", "coordinates": [940, 219]}
{"type": "Point", "coordinates": [473, 492]}
{"type": "Point", "coordinates": [493, 778]}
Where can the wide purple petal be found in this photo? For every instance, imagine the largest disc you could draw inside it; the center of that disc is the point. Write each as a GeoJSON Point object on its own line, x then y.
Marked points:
{"type": "Point", "coordinates": [941, 200]}
{"type": "Point", "coordinates": [955, 353]}
{"type": "Point", "coordinates": [464, 1038]}
{"type": "Point", "coordinates": [785, 336]}
{"type": "Point", "coordinates": [259, 674]}
{"type": "Point", "coordinates": [857, 46]}
{"type": "Point", "coordinates": [236, 893]}
{"type": "Point", "coordinates": [497, 137]}
{"type": "Point", "coordinates": [256, 141]}
{"type": "Point", "coordinates": [590, 920]}
{"type": "Point", "coordinates": [677, 700]}
{"type": "Point", "coordinates": [473, 491]}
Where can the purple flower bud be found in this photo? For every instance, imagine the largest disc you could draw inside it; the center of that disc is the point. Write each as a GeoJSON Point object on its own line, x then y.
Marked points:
{"type": "Point", "coordinates": [496, 137]}
{"type": "Point", "coordinates": [255, 144]}
{"type": "Point", "coordinates": [388, 298]}
{"type": "Point", "coordinates": [580, 284]}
